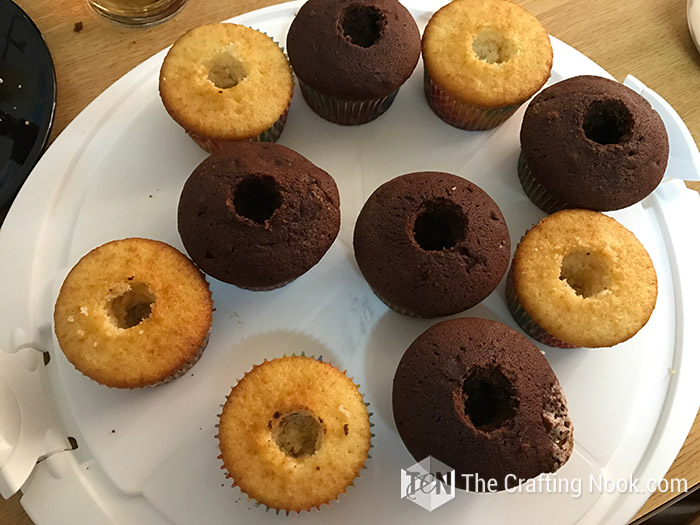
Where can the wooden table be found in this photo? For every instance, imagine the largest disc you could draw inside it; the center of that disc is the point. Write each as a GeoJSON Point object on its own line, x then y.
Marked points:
{"type": "Point", "coordinates": [648, 38]}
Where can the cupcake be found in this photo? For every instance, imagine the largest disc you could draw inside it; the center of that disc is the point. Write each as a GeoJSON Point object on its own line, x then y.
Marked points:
{"type": "Point", "coordinates": [133, 313]}
{"type": "Point", "coordinates": [352, 56]}
{"type": "Point", "coordinates": [593, 143]}
{"type": "Point", "coordinates": [226, 83]}
{"type": "Point", "coordinates": [258, 217]}
{"type": "Point", "coordinates": [431, 244]}
{"type": "Point", "coordinates": [483, 59]}
{"type": "Point", "coordinates": [294, 433]}
{"type": "Point", "coordinates": [479, 397]}
{"type": "Point", "coordinates": [579, 278]}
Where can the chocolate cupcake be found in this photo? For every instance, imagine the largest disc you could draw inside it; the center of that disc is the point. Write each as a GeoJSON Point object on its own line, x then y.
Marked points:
{"type": "Point", "coordinates": [258, 217]}
{"type": "Point", "coordinates": [352, 56]}
{"type": "Point", "coordinates": [479, 397]}
{"type": "Point", "coordinates": [593, 143]}
{"type": "Point", "coordinates": [431, 244]}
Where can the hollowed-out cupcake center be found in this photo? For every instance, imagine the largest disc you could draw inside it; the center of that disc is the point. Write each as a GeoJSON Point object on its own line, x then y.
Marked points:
{"type": "Point", "coordinates": [257, 198]}
{"type": "Point", "coordinates": [586, 271]}
{"type": "Point", "coordinates": [493, 46]}
{"type": "Point", "coordinates": [362, 25]}
{"type": "Point", "coordinates": [297, 434]}
{"type": "Point", "coordinates": [439, 225]}
{"type": "Point", "coordinates": [226, 70]}
{"type": "Point", "coordinates": [131, 305]}
{"type": "Point", "coordinates": [488, 398]}
{"type": "Point", "coordinates": [607, 122]}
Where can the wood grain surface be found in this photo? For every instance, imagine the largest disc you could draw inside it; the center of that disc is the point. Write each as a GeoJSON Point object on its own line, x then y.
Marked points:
{"type": "Point", "coordinates": [648, 38]}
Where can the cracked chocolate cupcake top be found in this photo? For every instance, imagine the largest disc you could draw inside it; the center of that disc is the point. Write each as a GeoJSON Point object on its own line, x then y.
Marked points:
{"type": "Point", "coordinates": [478, 396]}
{"type": "Point", "coordinates": [594, 143]}
{"type": "Point", "coordinates": [431, 244]}
{"type": "Point", "coordinates": [258, 217]}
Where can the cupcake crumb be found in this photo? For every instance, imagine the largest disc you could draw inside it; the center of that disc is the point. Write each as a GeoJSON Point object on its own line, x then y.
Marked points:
{"type": "Point", "coordinates": [78, 27]}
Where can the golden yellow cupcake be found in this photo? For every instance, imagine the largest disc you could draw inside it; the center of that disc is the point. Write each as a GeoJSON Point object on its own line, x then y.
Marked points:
{"type": "Point", "coordinates": [580, 278]}
{"type": "Point", "coordinates": [133, 313]}
{"type": "Point", "coordinates": [227, 83]}
{"type": "Point", "coordinates": [294, 433]}
{"type": "Point", "coordinates": [483, 59]}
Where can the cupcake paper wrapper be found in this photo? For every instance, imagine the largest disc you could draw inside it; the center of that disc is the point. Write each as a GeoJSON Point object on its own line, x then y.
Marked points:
{"type": "Point", "coordinates": [271, 134]}
{"type": "Point", "coordinates": [267, 288]}
{"type": "Point", "coordinates": [540, 196]}
{"type": "Point", "coordinates": [345, 112]}
{"type": "Point", "coordinates": [398, 309]}
{"type": "Point", "coordinates": [460, 114]}
{"type": "Point", "coordinates": [318, 507]}
{"type": "Point", "coordinates": [528, 325]}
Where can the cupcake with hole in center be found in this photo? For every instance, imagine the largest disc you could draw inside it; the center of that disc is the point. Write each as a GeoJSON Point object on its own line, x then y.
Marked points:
{"type": "Point", "coordinates": [352, 56]}
{"type": "Point", "coordinates": [259, 216]}
{"type": "Point", "coordinates": [591, 142]}
{"type": "Point", "coordinates": [483, 59]}
{"type": "Point", "coordinates": [294, 433]}
{"type": "Point", "coordinates": [227, 83]}
{"type": "Point", "coordinates": [133, 313]}
{"type": "Point", "coordinates": [431, 244]}
{"type": "Point", "coordinates": [580, 278]}
{"type": "Point", "coordinates": [478, 396]}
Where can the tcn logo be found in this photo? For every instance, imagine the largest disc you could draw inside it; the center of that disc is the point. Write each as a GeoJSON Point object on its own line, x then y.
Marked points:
{"type": "Point", "coordinates": [429, 483]}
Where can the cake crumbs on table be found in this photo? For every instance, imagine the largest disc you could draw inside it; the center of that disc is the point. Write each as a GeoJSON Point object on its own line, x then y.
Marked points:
{"type": "Point", "coordinates": [78, 27]}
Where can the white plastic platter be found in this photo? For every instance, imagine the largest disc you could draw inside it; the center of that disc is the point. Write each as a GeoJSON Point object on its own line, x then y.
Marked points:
{"type": "Point", "coordinates": [150, 456]}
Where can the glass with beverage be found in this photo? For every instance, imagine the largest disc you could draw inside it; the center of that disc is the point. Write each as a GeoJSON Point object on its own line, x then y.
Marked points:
{"type": "Point", "coordinates": [135, 13]}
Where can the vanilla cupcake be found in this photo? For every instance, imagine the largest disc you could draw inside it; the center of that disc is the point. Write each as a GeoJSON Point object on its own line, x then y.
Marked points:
{"type": "Point", "coordinates": [483, 59]}
{"type": "Point", "coordinates": [133, 313]}
{"type": "Point", "coordinates": [579, 278]}
{"type": "Point", "coordinates": [294, 433]}
{"type": "Point", "coordinates": [227, 83]}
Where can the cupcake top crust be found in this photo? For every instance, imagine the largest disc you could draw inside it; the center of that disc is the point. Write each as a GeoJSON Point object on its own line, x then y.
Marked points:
{"type": "Point", "coordinates": [488, 53]}
{"type": "Point", "coordinates": [133, 313]}
{"type": "Point", "coordinates": [225, 81]}
{"type": "Point", "coordinates": [431, 244]}
{"type": "Point", "coordinates": [585, 278]}
{"type": "Point", "coordinates": [353, 49]}
{"type": "Point", "coordinates": [594, 143]}
{"type": "Point", "coordinates": [478, 396]}
{"type": "Point", "coordinates": [294, 433]}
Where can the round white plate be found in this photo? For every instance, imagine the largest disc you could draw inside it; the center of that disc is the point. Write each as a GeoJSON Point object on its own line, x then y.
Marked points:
{"type": "Point", "coordinates": [150, 456]}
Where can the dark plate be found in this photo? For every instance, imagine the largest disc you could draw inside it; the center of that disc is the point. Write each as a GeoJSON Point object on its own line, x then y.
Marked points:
{"type": "Point", "coordinates": [27, 98]}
